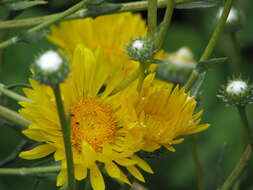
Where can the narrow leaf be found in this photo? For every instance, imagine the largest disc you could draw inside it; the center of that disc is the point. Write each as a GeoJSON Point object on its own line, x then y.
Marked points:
{"type": "Point", "coordinates": [24, 5]}
{"type": "Point", "coordinates": [197, 4]}
{"type": "Point", "coordinates": [205, 65]}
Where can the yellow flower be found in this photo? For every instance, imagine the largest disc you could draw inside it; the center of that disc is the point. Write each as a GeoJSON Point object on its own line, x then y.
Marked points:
{"type": "Point", "coordinates": [99, 130]}
{"type": "Point", "coordinates": [111, 32]}
{"type": "Point", "coordinates": [164, 113]}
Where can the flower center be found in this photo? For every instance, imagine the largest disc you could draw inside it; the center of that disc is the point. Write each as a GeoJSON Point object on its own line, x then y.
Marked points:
{"type": "Point", "coordinates": [92, 121]}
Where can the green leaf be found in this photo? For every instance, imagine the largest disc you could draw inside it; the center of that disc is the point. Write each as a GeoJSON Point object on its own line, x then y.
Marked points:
{"type": "Point", "coordinates": [17, 6]}
{"type": "Point", "coordinates": [198, 4]}
{"type": "Point", "coordinates": [30, 37]}
{"type": "Point", "coordinates": [205, 65]}
{"type": "Point", "coordinates": [95, 10]}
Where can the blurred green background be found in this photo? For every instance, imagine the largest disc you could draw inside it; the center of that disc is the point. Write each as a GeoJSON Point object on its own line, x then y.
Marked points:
{"type": "Point", "coordinates": [219, 147]}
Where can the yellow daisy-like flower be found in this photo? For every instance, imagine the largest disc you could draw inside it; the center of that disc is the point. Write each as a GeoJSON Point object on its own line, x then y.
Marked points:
{"type": "Point", "coordinates": [111, 32]}
{"type": "Point", "coordinates": [99, 127]}
{"type": "Point", "coordinates": [164, 114]}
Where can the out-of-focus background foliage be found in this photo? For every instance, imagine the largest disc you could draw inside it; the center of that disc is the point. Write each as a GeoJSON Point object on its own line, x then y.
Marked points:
{"type": "Point", "coordinates": [219, 147]}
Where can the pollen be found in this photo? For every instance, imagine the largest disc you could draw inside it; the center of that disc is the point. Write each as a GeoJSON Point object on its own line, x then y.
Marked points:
{"type": "Point", "coordinates": [92, 121]}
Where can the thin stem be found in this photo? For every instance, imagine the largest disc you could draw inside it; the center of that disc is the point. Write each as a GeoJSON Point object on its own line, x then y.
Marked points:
{"type": "Point", "coordinates": [142, 68]}
{"type": "Point", "coordinates": [46, 23]}
{"type": "Point", "coordinates": [125, 7]}
{"type": "Point", "coordinates": [245, 125]}
{"type": "Point", "coordinates": [238, 169]}
{"type": "Point", "coordinates": [197, 164]}
{"type": "Point", "coordinates": [217, 32]}
{"type": "Point", "coordinates": [13, 116]}
{"type": "Point", "coordinates": [14, 154]}
{"type": "Point", "coordinates": [212, 42]}
{"type": "Point", "coordinates": [66, 137]}
{"type": "Point", "coordinates": [68, 12]}
{"type": "Point", "coordinates": [81, 184]}
{"type": "Point", "coordinates": [13, 95]}
{"type": "Point", "coordinates": [163, 28]}
{"type": "Point", "coordinates": [237, 58]}
{"type": "Point", "coordinates": [152, 17]}
{"type": "Point", "coordinates": [29, 171]}
{"type": "Point", "coordinates": [133, 76]}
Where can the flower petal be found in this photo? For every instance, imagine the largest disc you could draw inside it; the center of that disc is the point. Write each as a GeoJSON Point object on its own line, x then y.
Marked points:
{"type": "Point", "coordinates": [96, 179]}
{"type": "Point", "coordinates": [80, 172]}
{"type": "Point", "coordinates": [143, 164]}
{"type": "Point", "coordinates": [38, 152]}
{"type": "Point", "coordinates": [114, 171]}
{"type": "Point", "coordinates": [62, 177]}
{"type": "Point", "coordinates": [136, 173]}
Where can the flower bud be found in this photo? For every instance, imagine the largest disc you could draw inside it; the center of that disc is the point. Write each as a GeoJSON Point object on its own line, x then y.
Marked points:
{"type": "Point", "coordinates": [237, 92]}
{"type": "Point", "coordinates": [140, 49]}
{"type": "Point", "coordinates": [50, 68]}
{"type": "Point", "coordinates": [234, 20]}
{"type": "Point", "coordinates": [178, 66]}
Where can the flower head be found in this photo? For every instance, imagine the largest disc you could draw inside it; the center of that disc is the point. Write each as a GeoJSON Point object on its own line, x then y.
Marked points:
{"type": "Point", "coordinates": [164, 114]}
{"type": "Point", "coordinates": [111, 32]}
{"type": "Point", "coordinates": [100, 132]}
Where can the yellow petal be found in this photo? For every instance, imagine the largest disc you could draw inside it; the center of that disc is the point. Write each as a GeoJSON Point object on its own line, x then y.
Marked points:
{"type": "Point", "coordinates": [170, 148]}
{"type": "Point", "coordinates": [96, 179]}
{"type": "Point", "coordinates": [80, 172]}
{"type": "Point", "coordinates": [143, 164]}
{"type": "Point", "coordinates": [125, 162]}
{"type": "Point", "coordinates": [114, 171]}
{"type": "Point", "coordinates": [38, 152]}
{"type": "Point", "coordinates": [136, 173]}
{"type": "Point", "coordinates": [34, 134]}
{"type": "Point", "coordinates": [61, 178]}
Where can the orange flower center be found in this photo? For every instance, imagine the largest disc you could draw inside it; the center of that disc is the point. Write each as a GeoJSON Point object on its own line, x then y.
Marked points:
{"type": "Point", "coordinates": [92, 121]}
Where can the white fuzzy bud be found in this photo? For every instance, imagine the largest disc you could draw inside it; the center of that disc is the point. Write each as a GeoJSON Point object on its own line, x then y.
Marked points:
{"type": "Point", "coordinates": [49, 61]}
{"type": "Point", "coordinates": [232, 17]}
{"type": "Point", "coordinates": [236, 87]}
{"type": "Point", "coordinates": [138, 44]}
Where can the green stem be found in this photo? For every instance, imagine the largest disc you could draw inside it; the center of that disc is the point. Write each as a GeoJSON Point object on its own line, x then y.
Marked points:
{"type": "Point", "coordinates": [10, 159]}
{"type": "Point", "coordinates": [152, 17]}
{"type": "Point", "coordinates": [46, 23]}
{"type": "Point", "coordinates": [246, 156]}
{"type": "Point", "coordinates": [66, 13]}
{"type": "Point", "coordinates": [29, 171]}
{"type": "Point", "coordinates": [66, 137]}
{"type": "Point", "coordinates": [142, 69]}
{"type": "Point", "coordinates": [13, 95]}
{"type": "Point", "coordinates": [125, 7]}
{"type": "Point", "coordinates": [245, 125]}
{"type": "Point", "coordinates": [217, 32]}
{"type": "Point", "coordinates": [212, 42]}
{"type": "Point", "coordinates": [197, 164]}
{"type": "Point", "coordinates": [133, 76]}
{"type": "Point", "coordinates": [238, 169]}
{"type": "Point", "coordinates": [237, 58]}
{"type": "Point", "coordinates": [13, 116]}
{"type": "Point", "coordinates": [163, 28]}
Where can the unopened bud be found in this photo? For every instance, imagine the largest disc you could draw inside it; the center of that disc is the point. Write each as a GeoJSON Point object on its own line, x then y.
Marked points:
{"type": "Point", "coordinates": [50, 68]}
{"type": "Point", "coordinates": [237, 92]}
{"type": "Point", "coordinates": [140, 49]}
